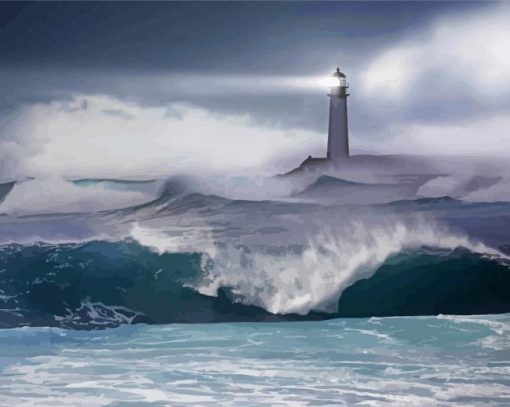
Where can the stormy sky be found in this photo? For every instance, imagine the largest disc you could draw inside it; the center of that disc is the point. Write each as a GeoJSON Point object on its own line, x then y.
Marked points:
{"type": "Point", "coordinates": [146, 89]}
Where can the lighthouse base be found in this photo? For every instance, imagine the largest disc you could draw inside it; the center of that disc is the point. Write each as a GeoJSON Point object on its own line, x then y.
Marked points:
{"type": "Point", "coordinates": [318, 164]}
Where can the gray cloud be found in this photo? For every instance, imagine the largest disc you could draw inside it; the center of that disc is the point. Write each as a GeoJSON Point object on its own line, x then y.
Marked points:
{"type": "Point", "coordinates": [413, 75]}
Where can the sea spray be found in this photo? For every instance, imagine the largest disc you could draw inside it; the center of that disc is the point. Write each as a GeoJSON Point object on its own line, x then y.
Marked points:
{"type": "Point", "coordinates": [290, 280]}
{"type": "Point", "coordinates": [100, 284]}
{"type": "Point", "coordinates": [57, 195]}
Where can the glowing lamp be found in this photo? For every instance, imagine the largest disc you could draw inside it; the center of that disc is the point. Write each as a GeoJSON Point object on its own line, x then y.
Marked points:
{"type": "Point", "coordinates": [331, 82]}
{"type": "Point", "coordinates": [337, 83]}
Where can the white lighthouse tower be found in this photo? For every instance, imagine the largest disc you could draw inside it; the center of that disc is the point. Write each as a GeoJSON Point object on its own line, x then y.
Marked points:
{"type": "Point", "coordinates": [338, 135]}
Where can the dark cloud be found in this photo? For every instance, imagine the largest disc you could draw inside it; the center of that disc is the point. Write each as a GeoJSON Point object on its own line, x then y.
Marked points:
{"type": "Point", "coordinates": [152, 54]}
{"type": "Point", "coordinates": [201, 36]}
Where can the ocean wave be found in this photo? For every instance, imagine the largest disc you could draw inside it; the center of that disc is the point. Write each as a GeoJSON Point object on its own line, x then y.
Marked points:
{"type": "Point", "coordinates": [152, 279]}
{"type": "Point", "coordinates": [5, 188]}
{"type": "Point", "coordinates": [181, 193]}
{"type": "Point", "coordinates": [286, 280]}
{"type": "Point", "coordinates": [57, 195]}
{"type": "Point", "coordinates": [470, 188]}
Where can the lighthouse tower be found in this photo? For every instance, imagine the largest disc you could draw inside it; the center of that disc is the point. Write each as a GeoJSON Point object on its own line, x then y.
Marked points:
{"type": "Point", "coordinates": [338, 136]}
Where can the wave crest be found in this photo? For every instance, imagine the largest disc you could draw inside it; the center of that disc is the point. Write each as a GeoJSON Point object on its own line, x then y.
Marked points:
{"type": "Point", "coordinates": [102, 284]}
{"type": "Point", "coordinates": [56, 195]}
{"type": "Point", "coordinates": [312, 278]}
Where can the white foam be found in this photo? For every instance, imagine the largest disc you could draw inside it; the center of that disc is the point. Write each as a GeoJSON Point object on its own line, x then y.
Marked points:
{"type": "Point", "coordinates": [499, 192]}
{"type": "Point", "coordinates": [313, 279]}
{"type": "Point", "coordinates": [56, 195]}
{"type": "Point", "coordinates": [459, 186]}
{"type": "Point", "coordinates": [182, 240]}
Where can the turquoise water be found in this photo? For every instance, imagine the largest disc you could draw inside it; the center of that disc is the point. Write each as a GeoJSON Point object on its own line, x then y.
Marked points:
{"type": "Point", "coordinates": [93, 303]}
{"type": "Point", "coordinates": [402, 361]}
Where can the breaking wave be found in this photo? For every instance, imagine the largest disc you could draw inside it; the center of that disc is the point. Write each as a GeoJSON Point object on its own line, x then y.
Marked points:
{"type": "Point", "coordinates": [396, 270]}
{"type": "Point", "coordinates": [57, 195]}
{"type": "Point", "coordinates": [313, 277]}
{"type": "Point", "coordinates": [473, 188]}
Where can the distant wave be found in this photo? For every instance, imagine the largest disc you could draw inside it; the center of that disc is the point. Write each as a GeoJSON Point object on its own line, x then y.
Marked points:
{"type": "Point", "coordinates": [5, 188]}
{"type": "Point", "coordinates": [57, 195]}
{"type": "Point", "coordinates": [329, 189]}
{"type": "Point", "coordinates": [105, 284]}
{"type": "Point", "coordinates": [472, 188]}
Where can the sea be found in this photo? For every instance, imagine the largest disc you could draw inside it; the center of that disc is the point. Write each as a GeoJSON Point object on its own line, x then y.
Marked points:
{"type": "Point", "coordinates": [295, 291]}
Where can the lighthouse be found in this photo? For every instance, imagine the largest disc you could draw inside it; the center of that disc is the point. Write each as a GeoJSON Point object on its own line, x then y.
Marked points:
{"type": "Point", "coordinates": [338, 133]}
